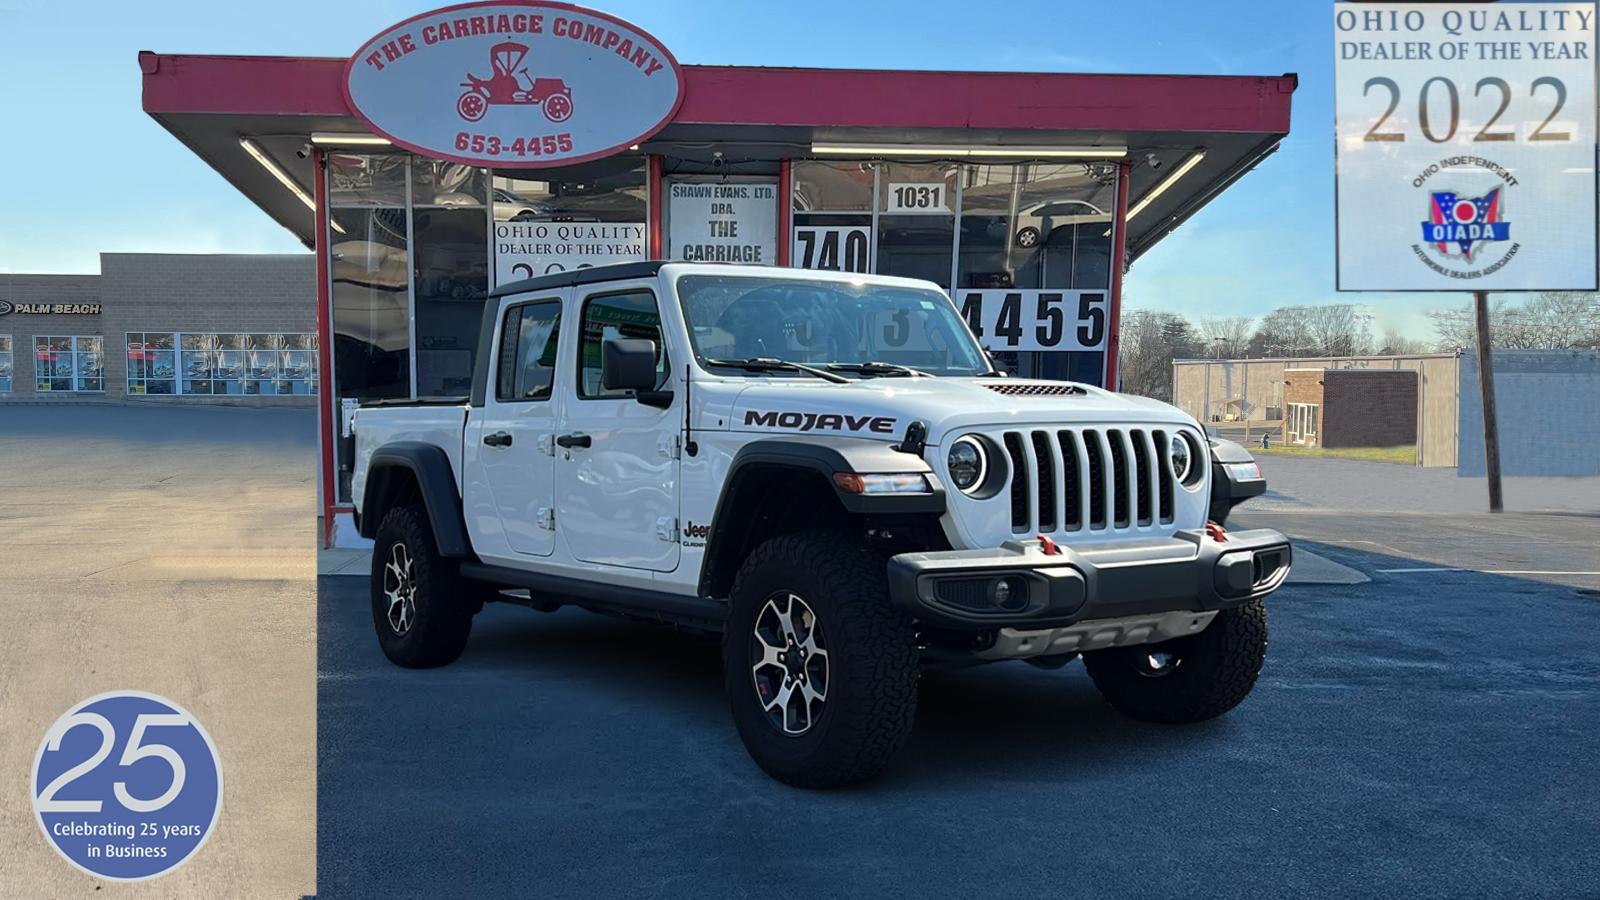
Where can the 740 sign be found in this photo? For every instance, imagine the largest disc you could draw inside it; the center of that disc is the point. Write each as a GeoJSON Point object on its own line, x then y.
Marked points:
{"type": "Point", "coordinates": [1008, 319]}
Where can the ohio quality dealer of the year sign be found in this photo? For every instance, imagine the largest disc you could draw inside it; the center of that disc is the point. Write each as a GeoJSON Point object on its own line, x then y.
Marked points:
{"type": "Point", "coordinates": [514, 84]}
{"type": "Point", "coordinates": [1465, 155]}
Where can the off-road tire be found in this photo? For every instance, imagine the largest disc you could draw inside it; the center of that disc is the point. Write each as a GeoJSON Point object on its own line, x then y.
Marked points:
{"type": "Point", "coordinates": [872, 680]}
{"type": "Point", "coordinates": [1215, 670]}
{"type": "Point", "coordinates": [444, 604]}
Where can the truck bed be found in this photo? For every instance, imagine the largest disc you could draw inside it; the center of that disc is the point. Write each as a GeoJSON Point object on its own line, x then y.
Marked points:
{"type": "Point", "coordinates": [437, 421]}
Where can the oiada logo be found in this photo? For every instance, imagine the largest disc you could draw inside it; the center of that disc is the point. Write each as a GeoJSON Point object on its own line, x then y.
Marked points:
{"type": "Point", "coordinates": [1462, 229]}
{"type": "Point", "coordinates": [524, 83]}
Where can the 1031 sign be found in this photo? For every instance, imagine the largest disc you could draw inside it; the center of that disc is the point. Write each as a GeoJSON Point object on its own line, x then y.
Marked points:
{"type": "Point", "coordinates": [1035, 320]}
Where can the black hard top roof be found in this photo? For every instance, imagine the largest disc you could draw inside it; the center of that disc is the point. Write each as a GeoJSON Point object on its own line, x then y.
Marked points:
{"type": "Point", "coordinates": [591, 275]}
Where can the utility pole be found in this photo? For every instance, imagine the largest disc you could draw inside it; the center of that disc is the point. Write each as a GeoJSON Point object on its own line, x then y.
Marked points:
{"type": "Point", "coordinates": [1491, 427]}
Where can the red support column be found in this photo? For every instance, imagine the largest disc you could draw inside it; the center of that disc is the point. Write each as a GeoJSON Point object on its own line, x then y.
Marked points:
{"type": "Point", "coordinates": [655, 247]}
{"type": "Point", "coordinates": [785, 213]}
{"type": "Point", "coordinates": [1119, 257]}
{"type": "Point", "coordinates": [325, 397]}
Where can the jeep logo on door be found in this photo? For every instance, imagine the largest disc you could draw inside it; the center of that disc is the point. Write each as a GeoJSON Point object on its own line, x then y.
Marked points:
{"type": "Point", "coordinates": [518, 83]}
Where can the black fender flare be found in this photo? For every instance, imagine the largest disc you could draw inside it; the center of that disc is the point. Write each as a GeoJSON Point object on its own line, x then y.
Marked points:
{"type": "Point", "coordinates": [435, 481]}
{"type": "Point", "coordinates": [824, 456]}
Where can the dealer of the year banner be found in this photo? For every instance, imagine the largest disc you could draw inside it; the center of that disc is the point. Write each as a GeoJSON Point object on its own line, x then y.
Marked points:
{"type": "Point", "coordinates": [1466, 146]}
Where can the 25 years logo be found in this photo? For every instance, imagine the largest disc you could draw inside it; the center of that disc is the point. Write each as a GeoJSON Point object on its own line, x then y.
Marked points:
{"type": "Point", "coordinates": [127, 785]}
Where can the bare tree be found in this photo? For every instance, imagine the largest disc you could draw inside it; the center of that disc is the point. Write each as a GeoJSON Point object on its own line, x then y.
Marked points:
{"type": "Point", "coordinates": [1336, 329]}
{"type": "Point", "coordinates": [1396, 344]}
{"type": "Point", "coordinates": [1227, 336]}
{"type": "Point", "coordinates": [1339, 329]}
{"type": "Point", "coordinates": [1150, 342]}
{"type": "Point", "coordinates": [1552, 320]}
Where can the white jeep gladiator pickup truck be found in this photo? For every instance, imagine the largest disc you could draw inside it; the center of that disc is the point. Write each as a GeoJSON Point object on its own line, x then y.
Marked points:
{"type": "Point", "coordinates": [827, 470]}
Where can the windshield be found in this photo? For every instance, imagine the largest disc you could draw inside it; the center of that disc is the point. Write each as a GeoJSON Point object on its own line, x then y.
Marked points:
{"type": "Point", "coordinates": [818, 323]}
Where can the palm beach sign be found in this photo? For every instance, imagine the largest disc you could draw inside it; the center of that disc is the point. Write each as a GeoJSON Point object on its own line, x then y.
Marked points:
{"type": "Point", "coordinates": [49, 309]}
{"type": "Point", "coordinates": [514, 84]}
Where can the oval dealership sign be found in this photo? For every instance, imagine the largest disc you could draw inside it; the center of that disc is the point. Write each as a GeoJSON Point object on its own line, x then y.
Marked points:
{"type": "Point", "coordinates": [514, 84]}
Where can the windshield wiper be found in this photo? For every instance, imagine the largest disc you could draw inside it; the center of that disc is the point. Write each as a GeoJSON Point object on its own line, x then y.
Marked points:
{"type": "Point", "coordinates": [879, 368]}
{"type": "Point", "coordinates": [772, 364]}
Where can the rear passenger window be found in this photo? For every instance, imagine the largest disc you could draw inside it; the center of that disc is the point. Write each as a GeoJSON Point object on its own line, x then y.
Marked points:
{"type": "Point", "coordinates": [629, 315]}
{"type": "Point", "coordinates": [528, 344]}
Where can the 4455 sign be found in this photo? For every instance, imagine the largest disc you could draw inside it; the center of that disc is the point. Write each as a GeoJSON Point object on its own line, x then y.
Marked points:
{"type": "Point", "coordinates": [1032, 320]}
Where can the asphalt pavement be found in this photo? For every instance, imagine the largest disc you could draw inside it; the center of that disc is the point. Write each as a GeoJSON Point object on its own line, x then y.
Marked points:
{"type": "Point", "coordinates": [168, 549]}
{"type": "Point", "coordinates": [1428, 733]}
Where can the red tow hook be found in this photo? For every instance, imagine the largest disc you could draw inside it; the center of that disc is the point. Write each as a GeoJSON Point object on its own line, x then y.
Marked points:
{"type": "Point", "coordinates": [1047, 546]}
{"type": "Point", "coordinates": [1216, 532]}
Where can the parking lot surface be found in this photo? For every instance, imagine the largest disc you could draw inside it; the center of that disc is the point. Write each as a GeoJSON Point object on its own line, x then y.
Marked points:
{"type": "Point", "coordinates": [1427, 733]}
{"type": "Point", "coordinates": [168, 550]}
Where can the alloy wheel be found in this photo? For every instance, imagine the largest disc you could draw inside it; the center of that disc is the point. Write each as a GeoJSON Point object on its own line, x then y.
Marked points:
{"type": "Point", "coordinates": [400, 586]}
{"type": "Point", "coordinates": [789, 663]}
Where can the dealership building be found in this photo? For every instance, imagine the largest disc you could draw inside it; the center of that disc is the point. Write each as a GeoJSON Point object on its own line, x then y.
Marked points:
{"type": "Point", "coordinates": [163, 328]}
{"type": "Point", "coordinates": [477, 145]}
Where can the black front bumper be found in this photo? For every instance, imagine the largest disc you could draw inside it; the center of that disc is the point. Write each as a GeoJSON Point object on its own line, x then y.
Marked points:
{"type": "Point", "coordinates": [1189, 570]}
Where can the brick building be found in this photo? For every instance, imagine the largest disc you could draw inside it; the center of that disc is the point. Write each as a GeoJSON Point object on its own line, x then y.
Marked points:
{"type": "Point", "coordinates": [180, 328]}
{"type": "Point", "coordinates": [1350, 407]}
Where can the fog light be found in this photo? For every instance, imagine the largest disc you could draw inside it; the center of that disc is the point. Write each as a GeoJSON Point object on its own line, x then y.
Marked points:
{"type": "Point", "coordinates": [1009, 594]}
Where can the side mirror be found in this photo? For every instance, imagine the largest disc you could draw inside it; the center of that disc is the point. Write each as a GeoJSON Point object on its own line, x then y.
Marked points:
{"type": "Point", "coordinates": [629, 364]}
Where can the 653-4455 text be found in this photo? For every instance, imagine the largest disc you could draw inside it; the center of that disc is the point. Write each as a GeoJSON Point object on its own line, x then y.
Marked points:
{"type": "Point", "coordinates": [494, 145]}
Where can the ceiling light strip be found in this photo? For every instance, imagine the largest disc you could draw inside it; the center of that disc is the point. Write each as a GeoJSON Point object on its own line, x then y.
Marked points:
{"type": "Point", "coordinates": [968, 152]}
{"type": "Point", "coordinates": [1166, 183]}
{"type": "Point", "coordinates": [343, 139]}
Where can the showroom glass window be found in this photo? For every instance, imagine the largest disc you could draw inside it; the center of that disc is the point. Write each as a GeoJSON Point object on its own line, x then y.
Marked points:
{"type": "Point", "coordinates": [449, 271]}
{"type": "Point", "coordinates": [152, 362]}
{"type": "Point", "coordinates": [1034, 226]}
{"type": "Point", "coordinates": [369, 274]}
{"type": "Point", "coordinates": [5, 364]}
{"type": "Point", "coordinates": [832, 207]}
{"type": "Point", "coordinates": [916, 220]}
{"type": "Point", "coordinates": [226, 364]}
{"type": "Point", "coordinates": [68, 364]}
{"type": "Point", "coordinates": [555, 220]}
{"type": "Point", "coordinates": [369, 269]}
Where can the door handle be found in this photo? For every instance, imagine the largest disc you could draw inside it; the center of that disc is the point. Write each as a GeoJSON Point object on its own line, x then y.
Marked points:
{"type": "Point", "coordinates": [575, 439]}
{"type": "Point", "coordinates": [498, 439]}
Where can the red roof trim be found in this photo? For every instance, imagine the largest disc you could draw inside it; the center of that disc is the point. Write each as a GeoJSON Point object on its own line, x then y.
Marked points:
{"type": "Point", "coordinates": [835, 98]}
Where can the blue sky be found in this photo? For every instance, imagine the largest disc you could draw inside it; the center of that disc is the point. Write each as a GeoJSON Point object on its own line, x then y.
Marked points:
{"type": "Point", "coordinates": [87, 170]}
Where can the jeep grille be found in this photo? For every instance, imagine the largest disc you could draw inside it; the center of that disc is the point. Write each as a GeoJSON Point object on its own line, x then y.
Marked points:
{"type": "Point", "coordinates": [1106, 477]}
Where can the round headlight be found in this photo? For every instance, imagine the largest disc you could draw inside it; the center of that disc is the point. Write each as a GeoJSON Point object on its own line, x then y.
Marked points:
{"type": "Point", "coordinates": [968, 463]}
{"type": "Point", "coordinates": [1182, 457]}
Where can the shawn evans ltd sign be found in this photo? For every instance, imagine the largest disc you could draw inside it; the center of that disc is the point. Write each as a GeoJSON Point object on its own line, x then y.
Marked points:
{"type": "Point", "coordinates": [514, 84]}
{"type": "Point", "coordinates": [49, 309]}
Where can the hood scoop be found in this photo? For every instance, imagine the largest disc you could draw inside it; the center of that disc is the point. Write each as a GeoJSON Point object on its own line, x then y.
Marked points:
{"type": "Point", "coordinates": [1058, 389]}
